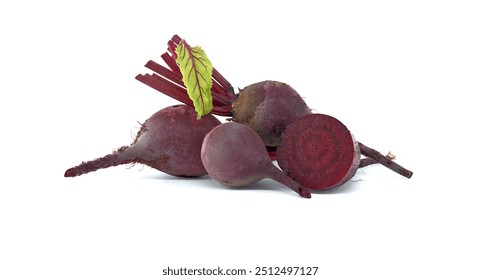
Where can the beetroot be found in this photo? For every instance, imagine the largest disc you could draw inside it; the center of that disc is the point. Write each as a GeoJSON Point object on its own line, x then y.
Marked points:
{"type": "Point", "coordinates": [267, 107]}
{"type": "Point", "coordinates": [169, 141]}
{"type": "Point", "coordinates": [319, 152]}
{"type": "Point", "coordinates": [234, 155]}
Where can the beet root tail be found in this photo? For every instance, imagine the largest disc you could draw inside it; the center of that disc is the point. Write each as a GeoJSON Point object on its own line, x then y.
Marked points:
{"type": "Point", "coordinates": [281, 177]}
{"type": "Point", "coordinates": [114, 159]}
{"type": "Point", "coordinates": [303, 192]}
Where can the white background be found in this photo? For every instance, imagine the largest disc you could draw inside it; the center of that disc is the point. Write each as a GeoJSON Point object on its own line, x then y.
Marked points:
{"type": "Point", "coordinates": [401, 75]}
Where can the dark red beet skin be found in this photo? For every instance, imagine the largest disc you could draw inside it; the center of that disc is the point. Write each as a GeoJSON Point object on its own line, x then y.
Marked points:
{"type": "Point", "coordinates": [319, 152]}
{"type": "Point", "coordinates": [169, 141]}
{"type": "Point", "coordinates": [268, 107]}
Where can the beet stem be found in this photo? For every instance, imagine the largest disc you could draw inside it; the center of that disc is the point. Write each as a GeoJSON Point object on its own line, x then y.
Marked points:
{"type": "Point", "coordinates": [165, 72]}
{"type": "Point", "coordinates": [385, 160]}
{"type": "Point", "coordinates": [222, 91]}
{"type": "Point", "coordinates": [370, 161]}
{"type": "Point", "coordinates": [165, 87]}
{"type": "Point", "coordinates": [114, 159]}
{"type": "Point", "coordinates": [366, 162]}
{"type": "Point", "coordinates": [279, 176]}
{"type": "Point", "coordinates": [224, 83]}
{"type": "Point", "coordinates": [225, 110]}
{"type": "Point", "coordinates": [170, 61]}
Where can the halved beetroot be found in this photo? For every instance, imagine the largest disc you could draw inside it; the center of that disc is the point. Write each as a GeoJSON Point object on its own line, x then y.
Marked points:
{"type": "Point", "coordinates": [319, 152]}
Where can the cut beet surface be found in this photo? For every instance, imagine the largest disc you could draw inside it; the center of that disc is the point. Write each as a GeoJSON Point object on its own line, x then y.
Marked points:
{"type": "Point", "coordinates": [319, 152]}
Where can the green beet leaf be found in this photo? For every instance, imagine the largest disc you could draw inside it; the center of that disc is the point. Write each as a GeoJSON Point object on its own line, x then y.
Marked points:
{"type": "Point", "coordinates": [196, 71]}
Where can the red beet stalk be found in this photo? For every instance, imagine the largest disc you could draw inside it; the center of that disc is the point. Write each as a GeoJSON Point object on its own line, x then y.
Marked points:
{"type": "Point", "coordinates": [385, 160]}
{"type": "Point", "coordinates": [370, 161]}
{"type": "Point", "coordinates": [169, 82]}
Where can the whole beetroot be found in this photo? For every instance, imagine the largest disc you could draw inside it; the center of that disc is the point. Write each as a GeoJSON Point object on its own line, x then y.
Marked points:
{"type": "Point", "coordinates": [268, 107]}
{"type": "Point", "coordinates": [234, 155]}
{"type": "Point", "coordinates": [169, 141]}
